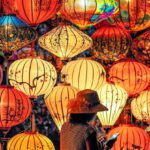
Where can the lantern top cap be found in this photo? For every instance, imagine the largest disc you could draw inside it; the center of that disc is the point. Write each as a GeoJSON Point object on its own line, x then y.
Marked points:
{"type": "Point", "coordinates": [6, 86]}
{"type": "Point", "coordinates": [9, 15]}
{"type": "Point", "coordinates": [64, 84]}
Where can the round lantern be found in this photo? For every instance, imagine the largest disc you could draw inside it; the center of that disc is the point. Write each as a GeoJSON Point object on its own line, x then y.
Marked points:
{"type": "Point", "coordinates": [30, 141]}
{"type": "Point", "coordinates": [133, 14]}
{"type": "Point", "coordinates": [140, 106]}
{"type": "Point", "coordinates": [15, 107]}
{"type": "Point", "coordinates": [130, 137]}
{"type": "Point", "coordinates": [57, 102]}
{"type": "Point", "coordinates": [114, 98]}
{"type": "Point", "coordinates": [111, 42]}
{"type": "Point", "coordinates": [133, 76]}
{"type": "Point", "coordinates": [14, 33]}
{"type": "Point", "coordinates": [33, 76]}
{"type": "Point", "coordinates": [84, 74]}
{"type": "Point", "coordinates": [35, 12]}
{"type": "Point", "coordinates": [86, 13]}
{"type": "Point", "coordinates": [141, 48]}
{"type": "Point", "coordinates": [65, 41]}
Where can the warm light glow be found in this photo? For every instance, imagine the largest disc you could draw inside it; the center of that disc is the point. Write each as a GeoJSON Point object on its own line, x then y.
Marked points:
{"type": "Point", "coordinates": [84, 74]}
{"type": "Point", "coordinates": [57, 102]}
{"type": "Point", "coordinates": [140, 106]}
{"type": "Point", "coordinates": [33, 76]}
{"type": "Point", "coordinates": [130, 137]}
{"type": "Point", "coordinates": [30, 141]}
{"type": "Point", "coordinates": [15, 107]}
{"type": "Point", "coordinates": [133, 76]}
{"type": "Point", "coordinates": [114, 98]}
{"type": "Point", "coordinates": [65, 41]}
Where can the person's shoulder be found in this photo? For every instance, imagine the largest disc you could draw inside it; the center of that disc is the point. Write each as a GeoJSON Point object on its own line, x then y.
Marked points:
{"type": "Point", "coordinates": [89, 131]}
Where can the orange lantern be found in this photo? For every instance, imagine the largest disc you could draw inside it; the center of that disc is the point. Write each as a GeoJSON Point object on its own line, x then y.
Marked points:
{"type": "Point", "coordinates": [85, 13]}
{"type": "Point", "coordinates": [30, 141]}
{"type": "Point", "coordinates": [15, 107]}
{"type": "Point", "coordinates": [57, 102]}
{"type": "Point", "coordinates": [111, 42]}
{"type": "Point", "coordinates": [130, 137]}
{"type": "Point", "coordinates": [141, 48]}
{"type": "Point", "coordinates": [140, 106]}
{"type": "Point", "coordinates": [34, 12]}
{"type": "Point", "coordinates": [133, 76]}
{"type": "Point", "coordinates": [84, 74]}
{"type": "Point", "coordinates": [133, 14]}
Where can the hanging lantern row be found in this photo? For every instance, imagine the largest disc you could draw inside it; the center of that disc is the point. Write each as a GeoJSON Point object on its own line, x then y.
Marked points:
{"type": "Point", "coordinates": [30, 141]}
{"type": "Point", "coordinates": [130, 137]}
{"type": "Point", "coordinates": [111, 42]}
{"type": "Point", "coordinates": [140, 106]}
{"type": "Point", "coordinates": [33, 76]}
{"type": "Point", "coordinates": [87, 13]}
{"type": "Point", "coordinates": [133, 14]}
{"type": "Point", "coordinates": [65, 41]}
{"type": "Point", "coordinates": [141, 48]}
{"type": "Point", "coordinates": [114, 98]}
{"type": "Point", "coordinates": [57, 102]}
{"type": "Point", "coordinates": [15, 107]}
{"type": "Point", "coordinates": [14, 33]}
{"type": "Point", "coordinates": [133, 76]}
{"type": "Point", "coordinates": [84, 74]}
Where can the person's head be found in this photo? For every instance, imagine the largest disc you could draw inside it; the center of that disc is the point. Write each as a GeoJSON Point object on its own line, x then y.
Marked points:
{"type": "Point", "coordinates": [85, 106]}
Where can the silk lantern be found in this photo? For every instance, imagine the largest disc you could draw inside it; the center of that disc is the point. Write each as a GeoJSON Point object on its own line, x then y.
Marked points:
{"type": "Point", "coordinates": [133, 14]}
{"type": "Point", "coordinates": [35, 12]}
{"type": "Point", "coordinates": [65, 41]}
{"type": "Point", "coordinates": [111, 42]}
{"type": "Point", "coordinates": [57, 102]}
{"type": "Point", "coordinates": [30, 141]}
{"type": "Point", "coordinates": [84, 74]}
{"type": "Point", "coordinates": [114, 98]}
{"type": "Point", "coordinates": [130, 137]}
{"type": "Point", "coordinates": [133, 76]}
{"type": "Point", "coordinates": [141, 48]}
{"type": "Point", "coordinates": [33, 76]}
{"type": "Point", "coordinates": [140, 106]}
{"type": "Point", "coordinates": [15, 107]}
{"type": "Point", "coordinates": [14, 33]}
{"type": "Point", "coordinates": [88, 12]}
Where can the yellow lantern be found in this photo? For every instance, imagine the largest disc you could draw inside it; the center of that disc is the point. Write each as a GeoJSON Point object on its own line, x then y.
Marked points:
{"type": "Point", "coordinates": [30, 141]}
{"type": "Point", "coordinates": [84, 74]}
{"type": "Point", "coordinates": [65, 41]}
{"type": "Point", "coordinates": [114, 98]}
{"type": "Point", "coordinates": [57, 102]}
{"type": "Point", "coordinates": [140, 106]}
{"type": "Point", "coordinates": [33, 76]}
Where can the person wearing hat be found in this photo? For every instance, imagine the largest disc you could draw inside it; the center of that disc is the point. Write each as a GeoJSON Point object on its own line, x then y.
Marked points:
{"type": "Point", "coordinates": [77, 133]}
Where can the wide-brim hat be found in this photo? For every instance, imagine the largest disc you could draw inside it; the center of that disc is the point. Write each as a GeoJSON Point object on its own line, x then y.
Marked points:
{"type": "Point", "coordinates": [86, 101]}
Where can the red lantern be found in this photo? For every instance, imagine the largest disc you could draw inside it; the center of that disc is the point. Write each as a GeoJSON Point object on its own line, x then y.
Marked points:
{"type": "Point", "coordinates": [15, 107]}
{"type": "Point", "coordinates": [111, 42]}
{"type": "Point", "coordinates": [130, 138]}
{"type": "Point", "coordinates": [133, 76]}
{"type": "Point", "coordinates": [34, 12]}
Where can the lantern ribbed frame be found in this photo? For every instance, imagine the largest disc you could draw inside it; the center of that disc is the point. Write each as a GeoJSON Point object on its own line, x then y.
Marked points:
{"type": "Point", "coordinates": [65, 41]}
{"type": "Point", "coordinates": [57, 103]}
{"type": "Point", "coordinates": [35, 12]}
{"type": "Point", "coordinates": [14, 33]}
{"type": "Point", "coordinates": [114, 98]}
{"type": "Point", "coordinates": [15, 107]}
{"type": "Point", "coordinates": [134, 14]}
{"type": "Point", "coordinates": [111, 42]}
{"type": "Point", "coordinates": [30, 140]}
{"type": "Point", "coordinates": [133, 76]}
{"type": "Point", "coordinates": [140, 106]}
{"type": "Point", "coordinates": [84, 74]}
{"type": "Point", "coordinates": [33, 76]}
{"type": "Point", "coordinates": [130, 137]}
{"type": "Point", "coordinates": [87, 13]}
{"type": "Point", "coordinates": [141, 48]}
